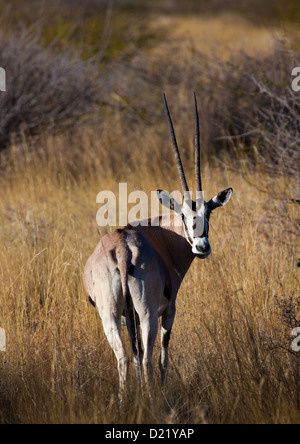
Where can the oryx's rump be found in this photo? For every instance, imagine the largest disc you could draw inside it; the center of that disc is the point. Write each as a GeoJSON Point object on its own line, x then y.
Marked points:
{"type": "Point", "coordinates": [125, 262]}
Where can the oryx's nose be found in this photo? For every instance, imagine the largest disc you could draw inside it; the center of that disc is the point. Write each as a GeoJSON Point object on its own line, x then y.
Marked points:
{"type": "Point", "coordinates": [203, 246]}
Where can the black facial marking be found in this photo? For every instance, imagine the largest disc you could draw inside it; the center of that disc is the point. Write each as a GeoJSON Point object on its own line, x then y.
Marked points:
{"type": "Point", "coordinates": [186, 229]}
{"type": "Point", "coordinates": [92, 302]}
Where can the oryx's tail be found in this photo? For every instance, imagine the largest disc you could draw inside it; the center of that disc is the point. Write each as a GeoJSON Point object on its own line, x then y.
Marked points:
{"type": "Point", "coordinates": [125, 266]}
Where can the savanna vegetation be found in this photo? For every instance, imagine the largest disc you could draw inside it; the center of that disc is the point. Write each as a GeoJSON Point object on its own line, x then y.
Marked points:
{"type": "Point", "coordinates": [82, 112]}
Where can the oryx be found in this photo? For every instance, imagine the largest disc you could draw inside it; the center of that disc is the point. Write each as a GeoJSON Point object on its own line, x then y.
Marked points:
{"type": "Point", "coordinates": [137, 271]}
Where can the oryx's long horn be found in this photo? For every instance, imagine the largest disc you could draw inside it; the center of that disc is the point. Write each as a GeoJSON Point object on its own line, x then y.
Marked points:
{"type": "Point", "coordinates": [197, 149]}
{"type": "Point", "coordinates": [183, 181]}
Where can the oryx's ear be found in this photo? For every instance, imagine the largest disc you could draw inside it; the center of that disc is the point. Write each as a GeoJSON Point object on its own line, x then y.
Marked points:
{"type": "Point", "coordinates": [168, 201]}
{"type": "Point", "coordinates": [220, 199]}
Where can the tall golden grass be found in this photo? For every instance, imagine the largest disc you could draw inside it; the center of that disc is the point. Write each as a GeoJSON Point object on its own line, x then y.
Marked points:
{"type": "Point", "coordinates": [230, 349]}
{"type": "Point", "coordinates": [231, 359]}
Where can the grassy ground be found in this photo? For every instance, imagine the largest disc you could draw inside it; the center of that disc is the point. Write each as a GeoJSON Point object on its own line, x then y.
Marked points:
{"type": "Point", "coordinates": [227, 360]}
{"type": "Point", "coordinates": [230, 351]}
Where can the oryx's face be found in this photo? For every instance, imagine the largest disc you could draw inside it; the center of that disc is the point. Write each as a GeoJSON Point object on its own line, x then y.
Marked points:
{"type": "Point", "coordinates": [195, 217]}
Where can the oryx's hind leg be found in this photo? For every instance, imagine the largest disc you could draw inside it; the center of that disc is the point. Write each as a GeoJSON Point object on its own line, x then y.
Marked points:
{"type": "Point", "coordinates": [166, 326]}
{"type": "Point", "coordinates": [136, 346]}
{"type": "Point", "coordinates": [133, 326]}
{"type": "Point", "coordinates": [146, 284]}
{"type": "Point", "coordinates": [149, 326]}
{"type": "Point", "coordinates": [149, 332]}
{"type": "Point", "coordinates": [112, 329]}
{"type": "Point", "coordinates": [108, 297]}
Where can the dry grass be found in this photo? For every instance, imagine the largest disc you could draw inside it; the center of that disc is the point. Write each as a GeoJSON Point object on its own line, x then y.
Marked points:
{"type": "Point", "coordinates": [230, 351]}
{"type": "Point", "coordinates": [225, 33]}
{"type": "Point", "coordinates": [227, 364]}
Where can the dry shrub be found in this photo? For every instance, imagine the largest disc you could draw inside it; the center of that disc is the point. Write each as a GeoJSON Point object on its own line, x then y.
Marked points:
{"type": "Point", "coordinates": [263, 114]}
{"type": "Point", "coordinates": [247, 106]}
{"type": "Point", "coordinates": [44, 91]}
